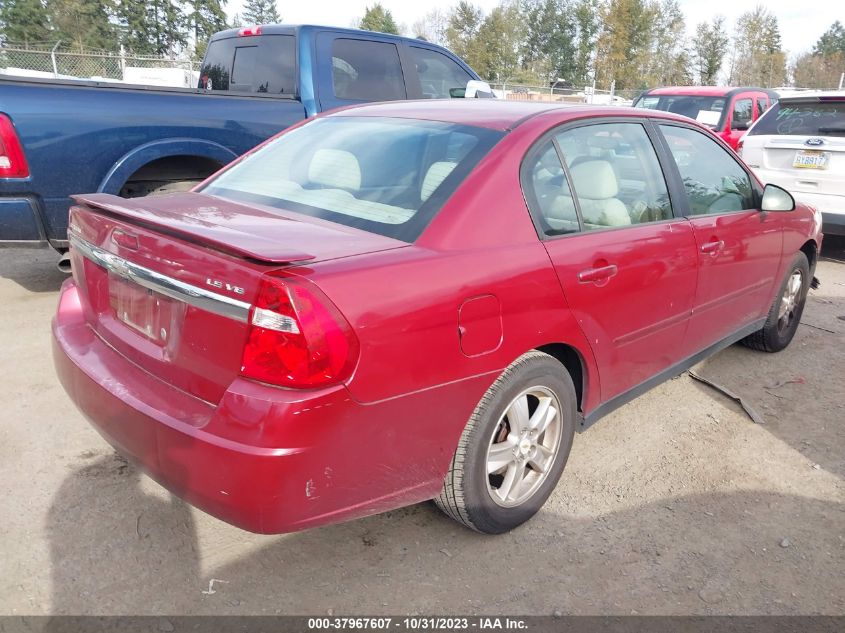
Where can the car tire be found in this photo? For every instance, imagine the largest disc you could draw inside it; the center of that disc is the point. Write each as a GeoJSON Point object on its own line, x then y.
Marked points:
{"type": "Point", "coordinates": [787, 308]}
{"type": "Point", "coordinates": [513, 449]}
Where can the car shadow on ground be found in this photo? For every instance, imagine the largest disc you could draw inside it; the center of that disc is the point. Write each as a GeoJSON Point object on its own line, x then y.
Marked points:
{"type": "Point", "coordinates": [34, 270]}
{"type": "Point", "coordinates": [117, 549]}
{"type": "Point", "coordinates": [799, 391]}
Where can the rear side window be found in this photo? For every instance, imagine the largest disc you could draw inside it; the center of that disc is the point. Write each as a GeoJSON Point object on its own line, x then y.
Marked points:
{"type": "Point", "coordinates": [762, 105]}
{"type": "Point", "coordinates": [440, 77]}
{"type": "Point", "coordinates": [825, 118]}
{"type": "Point", "coordinates": [383, 175]}
{"type": "Point", "coordinates": [265, 64]}
{"type": "Point", "coordinates": [714, 181]}
{"type": "Point", "coordinates": [366, 71]}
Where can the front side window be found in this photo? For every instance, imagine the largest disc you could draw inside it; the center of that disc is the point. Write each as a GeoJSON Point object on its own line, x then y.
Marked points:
{"type": "Point", "coordinates": [366, 71]}
{"type": "Point", "coordinates": [762, 105]}
{"type": "Point", "coordinates": [742, 114]}
{"type": "Point", "coordinates": [440, 77]}
{"type": "Point", "coordinates": [714, 181]}
{"type": "Point", "coordinates": [383, 175]}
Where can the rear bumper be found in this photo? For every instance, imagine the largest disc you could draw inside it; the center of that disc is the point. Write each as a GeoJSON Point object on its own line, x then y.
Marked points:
{"type": "Point", "coordinates": [264, 459]}
{"type": "Point", "coordinates": [21, 223]}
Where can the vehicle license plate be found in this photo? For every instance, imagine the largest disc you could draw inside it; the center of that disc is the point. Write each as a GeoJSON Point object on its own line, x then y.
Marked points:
{"type": "Point", "coordinates": [810, 159]}
{"type": "Point", "coordinates": [141, 309]}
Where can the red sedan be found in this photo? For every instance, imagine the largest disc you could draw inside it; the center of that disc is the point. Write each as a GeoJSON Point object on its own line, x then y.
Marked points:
{"type": "Point", "coordinates": [408, 301]}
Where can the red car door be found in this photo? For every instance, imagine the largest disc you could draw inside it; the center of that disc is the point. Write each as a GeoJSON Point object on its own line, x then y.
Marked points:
{"type": "Point", "coordinates": [627, 266]}
{"type": "Point", "coordinates": [739, 247]}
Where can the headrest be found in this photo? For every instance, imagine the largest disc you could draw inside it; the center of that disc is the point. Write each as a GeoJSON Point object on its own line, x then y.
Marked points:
{"type": "Point", "coordinates": [550, 161]}
{"type": "Point", "coordinates": [336, 169]}
{"type": "Point", "coordinates": [435, 175]}
{"type": "Point", "coordinates": [594, 179]}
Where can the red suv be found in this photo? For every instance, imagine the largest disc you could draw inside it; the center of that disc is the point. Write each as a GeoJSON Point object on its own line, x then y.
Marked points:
{"type": "Point", "coordinates": [418, 300]}
{"type": "Point", "coordinates": [729, 112]}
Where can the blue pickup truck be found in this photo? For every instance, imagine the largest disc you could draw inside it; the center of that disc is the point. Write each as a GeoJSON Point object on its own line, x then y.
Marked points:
{"type": "Point", "coordinates": [60, 137]}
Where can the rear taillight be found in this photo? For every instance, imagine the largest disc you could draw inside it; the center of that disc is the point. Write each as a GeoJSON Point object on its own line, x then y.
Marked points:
{"type": "Point", "coordinates": [297, 337]}
{"type": "Point", "coordinates": [12, 161]}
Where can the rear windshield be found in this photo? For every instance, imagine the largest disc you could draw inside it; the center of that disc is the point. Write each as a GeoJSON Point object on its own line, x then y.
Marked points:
{"type": "Point", "coordinates": [706, 110]}
{"type": "Point", "coordinates": [265, 64]}
{"type": "Point", "coordinates": [384, 175]}
{"type": "Point", "coordinates": [825, 118]}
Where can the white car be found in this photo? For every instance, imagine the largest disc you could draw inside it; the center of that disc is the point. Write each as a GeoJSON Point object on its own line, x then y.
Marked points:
{"type": "Point", "coordinates": [799, 144]}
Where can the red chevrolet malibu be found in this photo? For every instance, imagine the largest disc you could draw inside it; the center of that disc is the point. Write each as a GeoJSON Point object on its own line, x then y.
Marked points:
{"type": "Point", "coordinates": [408, 301]}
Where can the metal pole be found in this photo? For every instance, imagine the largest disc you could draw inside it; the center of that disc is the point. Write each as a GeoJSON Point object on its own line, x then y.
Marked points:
{"type": "Point", "coordinates": [53, 57]}
{"type": "Point", "coordinates": [841, 80]}
{"type": "Point", "coordinates": [612, 90]}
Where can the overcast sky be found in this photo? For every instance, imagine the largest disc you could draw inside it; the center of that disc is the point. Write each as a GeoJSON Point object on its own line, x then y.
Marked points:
{"type": "Point", "coordinates": [801, 22]}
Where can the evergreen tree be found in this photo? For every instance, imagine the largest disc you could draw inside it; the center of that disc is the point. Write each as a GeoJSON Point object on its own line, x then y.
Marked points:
{"type": "Point", "coordinates": [709, 47]}
{"type": "Point", "coordinates": [260, 12]}
{"type": "Point", "coordinates": [24, 22]}
{"type": "Point", "coordinates": [155, 27]}
{"type": "Point", "coordinates": [377, 18]}
{"type": "Point", "coordinates": [588, 24]}
{"type": "Point", "coordinates": [205, 18]}
{"type": "Point", "coordinates": [832, 41]}
{"type": "Point", "coordinates": [83, 24]}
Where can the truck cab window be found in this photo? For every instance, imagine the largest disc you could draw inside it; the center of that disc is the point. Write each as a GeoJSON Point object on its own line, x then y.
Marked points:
{"type": "Point", "coordinates": [366, 71]}
{"type": "Point", "coordinates": [438, 74]}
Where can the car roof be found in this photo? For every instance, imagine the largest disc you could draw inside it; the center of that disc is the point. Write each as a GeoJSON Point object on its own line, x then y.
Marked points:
{"type": "Point", "coordinates": [815, 95]}
{"type": "Point", "coordinates": [497, 114]}
{"type": "Point", "coordinates": [704, 91]}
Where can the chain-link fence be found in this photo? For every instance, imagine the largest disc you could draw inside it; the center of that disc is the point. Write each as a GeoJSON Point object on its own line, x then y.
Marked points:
{"type": "Point", "coordinates": [559, 94]}
{"type": "Point", "coordinates": [38, 62]}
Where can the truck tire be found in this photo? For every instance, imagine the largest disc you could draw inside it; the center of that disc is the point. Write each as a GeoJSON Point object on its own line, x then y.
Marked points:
{"type": "Point", "coordinates": [513, 449]}
{"type": "Point", "coordinates": [785, 313]}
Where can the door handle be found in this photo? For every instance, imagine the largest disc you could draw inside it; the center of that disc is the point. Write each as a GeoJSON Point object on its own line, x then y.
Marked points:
{"type": "Point", "coordinates": [597, 274]}
{"type": "Point", "coordinates": [712, 247]}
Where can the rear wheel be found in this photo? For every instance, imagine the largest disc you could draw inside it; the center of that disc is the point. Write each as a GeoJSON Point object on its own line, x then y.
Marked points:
{"type": "Point", "coordinates": [514, 447]}
{"type": "Point", "coordinates": [785, 313]}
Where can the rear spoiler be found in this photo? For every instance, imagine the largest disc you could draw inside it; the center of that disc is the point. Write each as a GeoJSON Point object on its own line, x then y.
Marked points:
{"type": "Point", "coordinates": [207, 226]}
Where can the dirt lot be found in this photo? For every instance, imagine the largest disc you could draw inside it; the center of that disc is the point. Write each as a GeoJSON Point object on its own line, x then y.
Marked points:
{"type": "Point", "coordinates": [675, 504]}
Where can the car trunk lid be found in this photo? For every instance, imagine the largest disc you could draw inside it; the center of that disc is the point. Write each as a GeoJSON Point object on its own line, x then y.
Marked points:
{"type": "Point", "coordinates": [168, 281]}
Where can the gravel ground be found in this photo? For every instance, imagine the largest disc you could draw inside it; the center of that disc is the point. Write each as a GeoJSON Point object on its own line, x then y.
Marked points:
{"type": "Point", "coordinates": [675, 504]}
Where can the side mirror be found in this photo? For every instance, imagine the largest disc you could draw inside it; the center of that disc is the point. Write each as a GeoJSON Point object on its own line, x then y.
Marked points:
{"type": "Point", "coordinates": [777, 199]}
{"type": "Point", "coordinates": [740, 124]}
{"type": "Point", "coordinates": [478, 90]}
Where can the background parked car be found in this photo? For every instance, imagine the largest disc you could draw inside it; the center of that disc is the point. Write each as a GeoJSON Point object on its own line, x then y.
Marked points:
{"type": "Point", "coordinates": [727, 111]}
{"type": "Point", "coordinates": [66, 137]}
{"type": "Point", "coordinates": [800, 145]}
